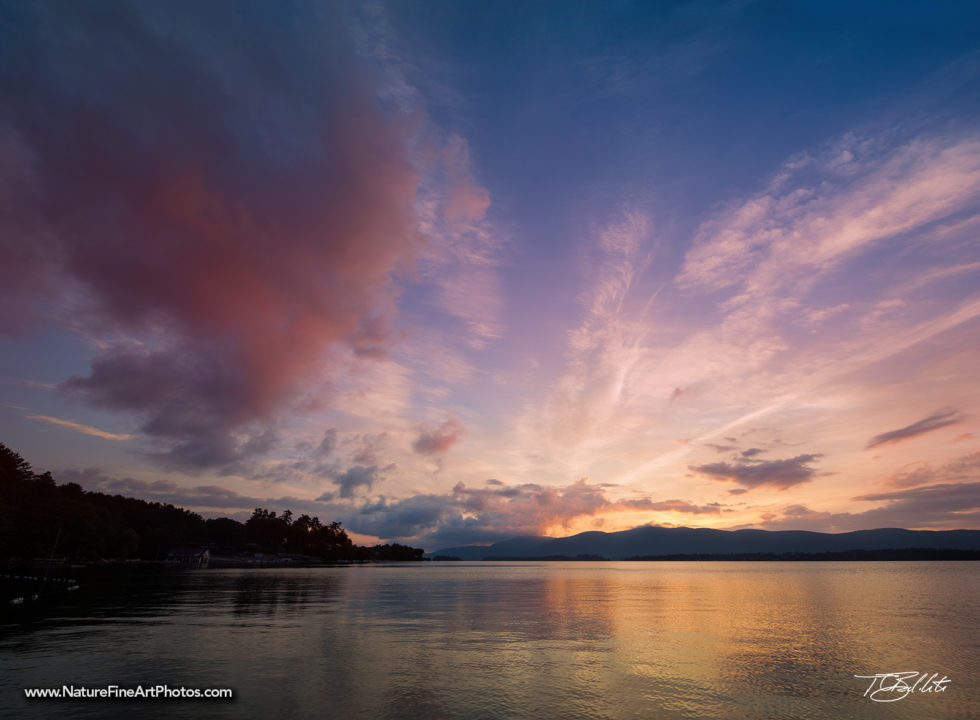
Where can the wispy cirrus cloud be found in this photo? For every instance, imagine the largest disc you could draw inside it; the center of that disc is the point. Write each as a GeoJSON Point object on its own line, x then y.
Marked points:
{"type": "Point", "coordinates": [79, 427]}
{"type": "Point", "coordinates": [782, 236]}
{"type": "Point", "coordinates": [769, 260]}
{"type": "Point", "coordinates": [463, 256]}
{"type": "Point", "coordinates": [587, 405]}
{"type": "Point", "coordinates": [941, 419]}
{"type": "Point", "coordinates": [797, 256]}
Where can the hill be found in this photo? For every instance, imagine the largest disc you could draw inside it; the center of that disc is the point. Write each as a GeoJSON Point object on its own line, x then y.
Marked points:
{"type": "Point", "coordinates": [655, 541]}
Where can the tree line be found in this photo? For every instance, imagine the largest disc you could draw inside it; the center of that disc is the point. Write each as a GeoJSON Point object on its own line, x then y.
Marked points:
{"type": "Point", "coordinates": [40, 519]}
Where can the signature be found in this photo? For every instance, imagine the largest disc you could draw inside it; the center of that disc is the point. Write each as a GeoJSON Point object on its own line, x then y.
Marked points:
{"type": "Point", "coordinates": [891, 687]}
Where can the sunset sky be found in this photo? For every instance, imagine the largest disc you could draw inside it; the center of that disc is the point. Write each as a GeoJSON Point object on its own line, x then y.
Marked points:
{"type": "Point", "coordinates": [451, 272]}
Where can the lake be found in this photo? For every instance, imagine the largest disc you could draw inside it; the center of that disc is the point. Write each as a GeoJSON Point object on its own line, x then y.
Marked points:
{"type": "Point", "coordinates": [509, 640]}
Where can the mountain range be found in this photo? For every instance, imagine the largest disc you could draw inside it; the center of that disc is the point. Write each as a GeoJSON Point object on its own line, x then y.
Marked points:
{"type": "Point", "coordinates": [654, 541]}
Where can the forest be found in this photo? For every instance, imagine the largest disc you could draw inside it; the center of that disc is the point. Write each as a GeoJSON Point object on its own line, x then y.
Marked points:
{"type": "Point", "coordinates": [42, 519]}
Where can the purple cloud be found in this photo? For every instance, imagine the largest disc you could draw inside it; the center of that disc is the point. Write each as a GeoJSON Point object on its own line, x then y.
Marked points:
{"type": "Point", "coordinates": [935, 421]}
{"type": "Point", "coordinates": [438, 440]}
{"type": "Point", "coordinates": [947, 506]}
{"type": "Point", "coordinates": [780, 474]}
{"type": "Point", "coordinates": [328, 444]}
{"type": "Point", "coordinates": [357, 476]}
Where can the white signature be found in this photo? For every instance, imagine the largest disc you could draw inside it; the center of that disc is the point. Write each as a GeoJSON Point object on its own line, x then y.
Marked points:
{"type": "Point", "coordinates": [890, 687]}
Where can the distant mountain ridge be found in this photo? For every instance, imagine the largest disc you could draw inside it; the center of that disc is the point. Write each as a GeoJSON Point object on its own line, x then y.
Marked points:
{"type": "Point", "coordinates": [650, 540]}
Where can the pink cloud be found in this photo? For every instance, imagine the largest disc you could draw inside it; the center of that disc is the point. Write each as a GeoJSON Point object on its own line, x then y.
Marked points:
{"type": "Point", "coordinates": [436, 441]}
{"type": "Point", "coordinates": [241, 253]}
{"type": "Point", "coordinates": [789, 232]}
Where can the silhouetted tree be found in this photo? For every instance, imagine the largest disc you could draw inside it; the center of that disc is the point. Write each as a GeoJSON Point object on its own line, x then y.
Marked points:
{"type": "Point", "coordinates": [225, 531]}
{"type": "Point", "coordinates": [38, 517]}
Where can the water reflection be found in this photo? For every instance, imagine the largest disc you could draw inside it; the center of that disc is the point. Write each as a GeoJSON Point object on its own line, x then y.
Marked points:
{"type": "Point", "coordinates": [531, 640]}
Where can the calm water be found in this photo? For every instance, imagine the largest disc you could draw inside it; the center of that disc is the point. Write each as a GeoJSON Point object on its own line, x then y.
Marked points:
{"type": "Point", "coordinates": [500, 640]}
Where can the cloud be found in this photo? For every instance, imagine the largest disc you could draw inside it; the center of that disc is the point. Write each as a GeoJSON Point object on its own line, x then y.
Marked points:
{"type": "Point", "coordinates": [946, 506]}
{"type": "Point", "coordinates": [966, 467]}
{"type": "Point", "coordinates": [78, 427]}
{"type": "Point", "coordinates": [474, 295]}
{"type": "Point", "coordinates": [781, 474]}
{"type": "Point", "coordinates": [356, 476]}
{"type": "Point", "coordinates": [239, 203]}
{"type": "Point", "coordinates": [438, 441]}
{"type": "Point", "coordinates": [805, 240]}
{"type": "Point", "coordinates": [467, 201]}
{"type": "Point", "coordinates": [94, 478]}
{"type": "Point", "coordinates": [130, 485]}
{"type": "Point", "coordinates": [812, 216]}
{"type": "Point", "coordinates": [370, 446]}
{"type": "Point", "coordinates": [462, 516]}
{"type": "Point", "coordinates": [752, 452]}
{"type": "Point", "coordinates": [591, 402]}
{"type": "Point", "coordinates": [162, 491]}
{"type": "Point", "coordinates": [500, 511]}
{"type": "Point", "coordinates": [465, 250]}
{"type": "Point", "coordinates": [327, 444]}
{"type": "Point", "coordinates": [681, 506]}
{"type": "Point", "coordinates": [35, 385]}
{"type": "Point", "coordinates": [935, 421]}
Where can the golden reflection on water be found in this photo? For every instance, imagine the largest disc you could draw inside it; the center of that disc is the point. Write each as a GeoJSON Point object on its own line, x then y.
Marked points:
{"type": "Point", "coordinates": [698, 639]}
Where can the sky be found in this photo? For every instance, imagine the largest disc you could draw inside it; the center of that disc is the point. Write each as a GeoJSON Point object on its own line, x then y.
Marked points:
{"type": "Point", "coordinates": [454, 272]}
